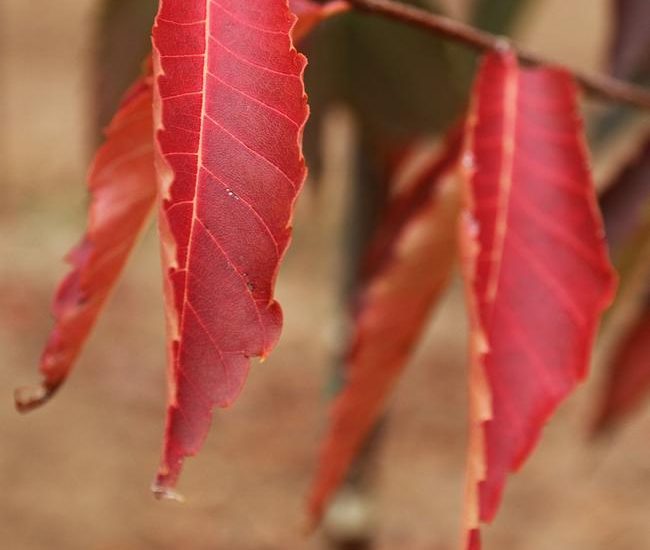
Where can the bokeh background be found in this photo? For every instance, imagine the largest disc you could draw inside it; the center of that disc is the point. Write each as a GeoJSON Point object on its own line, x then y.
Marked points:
{"type": "Point", "coordinates": [75, 475]}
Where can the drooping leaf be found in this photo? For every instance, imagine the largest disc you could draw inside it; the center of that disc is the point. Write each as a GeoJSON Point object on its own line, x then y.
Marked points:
{"type": "Point", "coordinates": [122, 185]}
{"type": "Point", "coordinates": [414, 252]}
{"type": "Point", "coordinates": [536, 267]}
{"type": "Point", "coordinates": [311, 13]}
{"type": "Point", "coordinates": [628, 384]}
{"type": "Point", "coordinates": [230, 110]}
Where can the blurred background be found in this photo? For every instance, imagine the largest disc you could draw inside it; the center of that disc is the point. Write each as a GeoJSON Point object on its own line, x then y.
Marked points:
{"type": "Point", "coordinates": [76, 474]}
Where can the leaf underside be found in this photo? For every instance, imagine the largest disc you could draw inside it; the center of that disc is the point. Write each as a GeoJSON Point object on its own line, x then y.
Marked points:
{"type": "Point", "coordinates": [536, 267]}
{"type": "Point", "coordinates": [413, 254]}
{"type": "Point", "coordinates": [230, 109]}
{"type": "Point", "coordinates": [122, 185]}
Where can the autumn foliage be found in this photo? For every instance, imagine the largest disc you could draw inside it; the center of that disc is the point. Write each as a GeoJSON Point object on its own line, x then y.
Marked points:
{"type": "Point", "coordinates": [212, 133]}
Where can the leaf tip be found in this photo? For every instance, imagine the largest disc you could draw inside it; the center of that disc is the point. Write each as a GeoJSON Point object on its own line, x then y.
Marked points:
{"type": "Point", "coordinates": [28, 398]}
{"type": "Point", "coordinates": [163, 492]}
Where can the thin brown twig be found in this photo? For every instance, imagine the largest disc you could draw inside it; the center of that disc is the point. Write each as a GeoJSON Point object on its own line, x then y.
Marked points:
{"type": "Point", "coordinates": [599, 85]}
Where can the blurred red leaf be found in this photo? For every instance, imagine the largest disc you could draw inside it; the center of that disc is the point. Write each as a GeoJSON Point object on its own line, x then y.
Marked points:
{"type": "Point", "coordinates": [122, 185]}
{"type": "Point", "coordinates": [231, 107]}
{"type": "Point", "coordinates": [311, 13]}
{"type": "Point", "coordinates": [413, 255]}
{"type": "Point", "coordinates": [536, 267]}
{"type": "Point", "coordinates": [628, 384]}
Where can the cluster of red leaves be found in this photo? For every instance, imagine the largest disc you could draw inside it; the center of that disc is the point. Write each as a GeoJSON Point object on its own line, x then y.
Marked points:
{"type": "Point", "coordinates": [221, 119]}
{"type": "Point", "coordinates": [536, 270]}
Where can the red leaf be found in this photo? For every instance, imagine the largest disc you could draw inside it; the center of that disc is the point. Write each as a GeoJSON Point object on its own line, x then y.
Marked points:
{"type": "Point", "coordinates": [416, 244]}
{"type": "Point", "coordinates": [311, 13]}
{"type": "Point", "coordinates": [629, 378]}
{"type": "Point", "coordinates": [231, 107]}
{"type": "Point", "coordinates": [123, 188]}
{"type": "Point", "coordinates": [536, 268]}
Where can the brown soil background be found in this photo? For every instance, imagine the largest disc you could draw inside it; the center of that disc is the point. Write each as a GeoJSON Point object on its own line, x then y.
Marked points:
{"type": "Point", "coordinates": [75, 475]}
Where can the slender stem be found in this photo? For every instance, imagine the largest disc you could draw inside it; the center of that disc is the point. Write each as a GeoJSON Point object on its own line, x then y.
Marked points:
{"type": "Point", "coordinates": [596, 84]}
